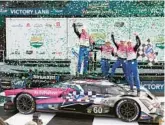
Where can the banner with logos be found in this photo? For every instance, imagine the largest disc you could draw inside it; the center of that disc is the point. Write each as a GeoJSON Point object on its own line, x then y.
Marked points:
{"type": "Point", "coordinates": [36, 38]}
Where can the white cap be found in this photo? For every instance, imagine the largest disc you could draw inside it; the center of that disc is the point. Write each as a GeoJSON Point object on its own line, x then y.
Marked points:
{"type": "Point", "coordinates": [84, 27]}
{"type": "Point", "coordinates": [130, 40]}
{"type": "Point", "coordinates": [123, 40]}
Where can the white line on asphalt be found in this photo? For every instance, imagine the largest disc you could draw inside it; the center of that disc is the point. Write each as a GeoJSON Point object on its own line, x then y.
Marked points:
{"type": "Point", "coordinates": [113, 121]}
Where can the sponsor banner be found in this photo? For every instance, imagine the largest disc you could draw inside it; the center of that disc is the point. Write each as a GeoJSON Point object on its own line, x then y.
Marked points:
{"type": "Point", "coordinates": [36, 38]}
{"type": "Point", "coordinates": [46, 77]}
{"type": "Point", "coordinates": [155, 86]}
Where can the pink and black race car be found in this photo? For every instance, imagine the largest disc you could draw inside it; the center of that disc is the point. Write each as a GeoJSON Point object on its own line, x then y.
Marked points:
{"type": "Point", "coordinates": [95, 97]}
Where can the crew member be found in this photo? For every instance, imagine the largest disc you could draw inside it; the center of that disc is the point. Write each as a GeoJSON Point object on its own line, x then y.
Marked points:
{"type": "Point", "coordinates": [107, 51]}
{"type": "Point", "coordinates": [85, 42]}
{"type": "Point", "coordinates": [132, 65]}
{"type": "Point", "coordinates": [121, 57]}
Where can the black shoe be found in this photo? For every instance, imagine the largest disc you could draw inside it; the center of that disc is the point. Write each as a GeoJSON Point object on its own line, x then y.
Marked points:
{"type": "Point", "coordinates": [138, 92]}
{"type": "Point", "coordinates": [131, 90]}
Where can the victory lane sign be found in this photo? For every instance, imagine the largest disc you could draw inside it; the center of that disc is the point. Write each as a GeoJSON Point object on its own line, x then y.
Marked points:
{"type": "Point", "coordinates": [29, 11]}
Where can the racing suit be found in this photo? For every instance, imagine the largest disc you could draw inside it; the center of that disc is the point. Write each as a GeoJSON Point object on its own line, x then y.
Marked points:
{"type": "Point", "coordinates": [85, 42]}
{"type": "Point", "coordinates": [106, 52]}
{"type": "Point", "coordinates": [132, 65]}
{"type": "Point", "coordinates": [121, 60]}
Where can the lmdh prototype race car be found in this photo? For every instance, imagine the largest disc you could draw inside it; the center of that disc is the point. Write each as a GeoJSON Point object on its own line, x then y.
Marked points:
{"type": "Point", "coordinates": [89, 96]}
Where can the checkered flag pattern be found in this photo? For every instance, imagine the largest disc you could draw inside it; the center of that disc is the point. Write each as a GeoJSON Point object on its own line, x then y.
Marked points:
{"type": "Point", "coordinates": [147, 53]}
{"type": "Point", "coordinates": [82, 96]}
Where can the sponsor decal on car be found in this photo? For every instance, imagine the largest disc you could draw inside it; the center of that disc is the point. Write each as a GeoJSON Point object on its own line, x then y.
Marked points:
{"type": "Point", "coordinates": [46, 92]}
{"type": "Point", "coordinates": [89, 110]}
{"type": "Point", "coordinates": [144, 116]}
{"type": "Point", "coordinates": [54, 106]}
{"type": "Point", "coordinates": [40, 107]}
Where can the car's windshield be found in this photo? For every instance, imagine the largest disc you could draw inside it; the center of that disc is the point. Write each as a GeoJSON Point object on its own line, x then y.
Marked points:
{"type": "Point", "coordinates": [99, 89]}
{"type": "Point", "coordinates": [114, 90]}
{"type": "Point", "coordinates": [64, 85]}
{"type": "Point", "coordinates": [94, 88]}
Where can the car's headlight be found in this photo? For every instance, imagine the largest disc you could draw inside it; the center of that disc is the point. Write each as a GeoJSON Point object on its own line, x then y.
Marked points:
{"type": "Point", "coordinates": [147, 103]}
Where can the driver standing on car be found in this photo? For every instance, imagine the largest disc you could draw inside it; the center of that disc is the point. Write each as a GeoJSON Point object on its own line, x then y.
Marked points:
{"type": "Point", "coordinates": [85, 42]}
{"type": "Point", "coordinates": [132, 64]}
{"type": "Point", "coordinates": [121, 58]}
{"type": "Point", "coordinates": [107, 51]}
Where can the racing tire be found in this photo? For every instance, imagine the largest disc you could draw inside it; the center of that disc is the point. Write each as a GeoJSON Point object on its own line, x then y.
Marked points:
{"type": "Point", "coordinates": [127, 110]}
{"type": "Point", "coordinates": [25, 103]}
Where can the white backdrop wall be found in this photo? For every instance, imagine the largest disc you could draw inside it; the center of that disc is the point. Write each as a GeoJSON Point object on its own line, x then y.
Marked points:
{"type": "Point", "coordinates": [36, 38]}
{"type": "Point", "coordinates": [54, 38]}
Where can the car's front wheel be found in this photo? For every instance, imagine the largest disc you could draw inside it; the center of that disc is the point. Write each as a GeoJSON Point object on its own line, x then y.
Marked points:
{"type": "Point", "coordinates": [127, 110]}
{"type": "Point", "coordinates": [25, 103]}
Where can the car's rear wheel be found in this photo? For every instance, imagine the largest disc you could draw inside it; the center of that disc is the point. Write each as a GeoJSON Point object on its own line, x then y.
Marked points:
{"type": "Point", "coordinates": [127, 110]}
{"type": "Point", "coordinates": [25, 103]}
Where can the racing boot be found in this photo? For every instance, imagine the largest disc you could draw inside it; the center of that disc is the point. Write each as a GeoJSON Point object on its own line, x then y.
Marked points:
{"type": "Point", "coordinates": [131, 90]}
{"type": "Point", "coordinates": [138, 92]}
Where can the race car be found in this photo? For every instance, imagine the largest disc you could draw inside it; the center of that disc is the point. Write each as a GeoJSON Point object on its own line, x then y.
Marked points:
{"type": "Point", "coordinates": [87, 96]}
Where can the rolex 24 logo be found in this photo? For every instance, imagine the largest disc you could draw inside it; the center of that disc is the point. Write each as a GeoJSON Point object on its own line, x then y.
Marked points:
{"type": "Point", "coordinates": [36, 41]}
